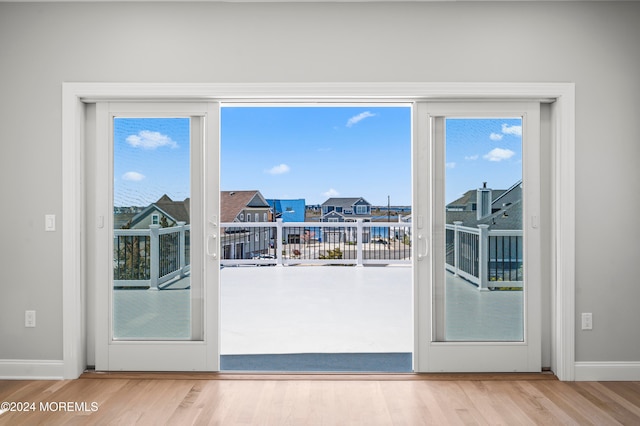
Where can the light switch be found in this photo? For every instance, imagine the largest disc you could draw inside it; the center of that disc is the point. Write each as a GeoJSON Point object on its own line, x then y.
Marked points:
{"type": "Point", "coordinates": [50, 222]}
{"type": "Point", "coordinates": [30, 319]}
{"type": "Point", "coordinates": [587, 321]}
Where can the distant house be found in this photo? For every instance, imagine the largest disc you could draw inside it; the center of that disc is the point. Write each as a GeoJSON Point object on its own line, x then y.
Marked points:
{"type": "Point", "coordinates": [345, 210]}
{"type": "Point", "coordinates": [164, 212]}
{"type": "Point", "coordinates": [498, 208]}
{"type": "Point", "coordinates": [291, 211]}
{"type": "Point", "coordinates": [240, 242]}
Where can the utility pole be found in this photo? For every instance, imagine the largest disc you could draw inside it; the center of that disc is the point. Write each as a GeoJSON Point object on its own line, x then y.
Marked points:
{"type": "Point", "coordinates": [389, 220]}
{"type": "Point", "coordinates": [388, 208]}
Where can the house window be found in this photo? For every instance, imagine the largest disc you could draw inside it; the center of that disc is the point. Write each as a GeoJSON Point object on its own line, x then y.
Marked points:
{"type": "Point", "coordinates": [339, 209]}
{"type": "Point", "coordinates": [361, 210]}
{"type": "Point", "coordinates": [248, 217]}
{"type": "Point", "coordinates": [265, 217]}
{"type": "Point", "coordinates": [241, 217]}
{"type": "Point", "coordinates": [257, 217]}
{"type": "Point", "coordinates": [332, 219]}
{"type": "Point", "coordinates": [155, 219]}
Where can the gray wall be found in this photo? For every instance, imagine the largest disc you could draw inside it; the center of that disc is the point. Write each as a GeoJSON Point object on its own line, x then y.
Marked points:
{"type": "Point", "coordinates": [592, 44]}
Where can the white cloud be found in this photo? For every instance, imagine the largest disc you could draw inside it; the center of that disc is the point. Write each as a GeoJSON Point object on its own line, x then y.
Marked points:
{"type": "Point", "coordinates": [133, 176]}
{"type": "Point", "coordinates": [147, 139]}
{"type": "Point", "coordinates": [512, 130]}
{"type": "Point", "coordinates": [331, 193]}
{"type": "Point", "coordinates": [471, 157]}
{"type": "Point", "coordinates": [495, 136]}
{"type": "Point", "coordinates": [450, 165]}
{"type": "Point", "coordinates": [357, 118]}
{"type": "Point", "coordinates": [279, 169]}
{"type": "Point", "coordinates": [499, 154]}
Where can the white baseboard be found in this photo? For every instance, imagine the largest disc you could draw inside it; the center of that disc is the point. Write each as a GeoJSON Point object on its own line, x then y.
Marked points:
{"type": "Point", "coordinates": [31, 369]}
{"type": "Point", "coordinates": [28, 369]}
{"type": "Point", "coordinates": [607, 371]}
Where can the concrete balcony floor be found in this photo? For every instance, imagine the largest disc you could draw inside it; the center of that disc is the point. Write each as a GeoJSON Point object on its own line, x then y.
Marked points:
{"type": "Point", "coordinates": [318, 309]}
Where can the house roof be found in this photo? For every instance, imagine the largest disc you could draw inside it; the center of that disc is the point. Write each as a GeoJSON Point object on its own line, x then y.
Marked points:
{"type": "Point", "coordinates": [234, 202]}
{"type": "Point", "coordinates": [508, 216]}
{"type": "Point", "coordinates": [180, 211]}
{"type": "Point", "coordinates": [344, 202]}
{"type": "Point", "coordinates": [500, 198]}
{"type": "Point", "coordinates": [509, 196]}
{"type": "Point", "coordinates": [471, 196]}
{"type": "Point", "coordinates": [177, 211]}
{"type": "Point", "coordinates": [506, 206]}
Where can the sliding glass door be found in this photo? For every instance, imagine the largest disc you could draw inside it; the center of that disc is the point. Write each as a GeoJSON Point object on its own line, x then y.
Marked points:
{"type": "Point", "coordinates": [475, 236]}
{"type": "Point", "coordinates": [158, 298]}
{"type": "Point", "coordinates": [478, 274]}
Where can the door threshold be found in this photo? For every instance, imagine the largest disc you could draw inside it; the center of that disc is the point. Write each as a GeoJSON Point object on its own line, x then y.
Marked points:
{"type": "Point", "coordinates": [325, 362]}
{"type": "Point", "coordinates": [311, 376]}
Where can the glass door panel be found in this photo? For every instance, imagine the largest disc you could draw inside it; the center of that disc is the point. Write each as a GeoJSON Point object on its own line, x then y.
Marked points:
{"type": "Point", "coordinates": [152, 226]}
{"type": "Point", "coordinates": [484, 268]}
{"type": "Point", "coordinates": [157, 304]}
{"type": "Point", "coordinates": [478, 276]}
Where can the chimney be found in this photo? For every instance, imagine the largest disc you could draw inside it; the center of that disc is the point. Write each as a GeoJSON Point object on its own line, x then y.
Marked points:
{"type": "Point", "coordinates": [483, 200]}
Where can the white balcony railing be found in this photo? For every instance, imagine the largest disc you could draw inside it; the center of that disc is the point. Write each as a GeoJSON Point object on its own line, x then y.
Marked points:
{"type": "Point", "coordinates": [150, 257]}
{"type": "Point", "coordinates": [311, 243]}
{"type": "Point", "coordinates": [487, 258]}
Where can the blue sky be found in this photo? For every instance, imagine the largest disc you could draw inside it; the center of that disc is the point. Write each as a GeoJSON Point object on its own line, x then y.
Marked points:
{"type": "Point", "coordinates": [482, 150]}
{"type": "Point", "coordinates": [151, 158]}
{"type": "Point", "coordinates": [312, 153]}
{"type": "Point", "coordinates": [318, 152]}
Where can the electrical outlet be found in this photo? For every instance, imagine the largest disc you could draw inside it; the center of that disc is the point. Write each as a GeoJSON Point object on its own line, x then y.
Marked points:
{"type": "Point", "coordinates": [587, 321]}
{"type": "Point", "coordinates": [29, 318]}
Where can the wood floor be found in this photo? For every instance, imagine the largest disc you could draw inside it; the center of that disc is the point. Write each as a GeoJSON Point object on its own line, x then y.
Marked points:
{"type": "Point", "coordinates": [185, 399]}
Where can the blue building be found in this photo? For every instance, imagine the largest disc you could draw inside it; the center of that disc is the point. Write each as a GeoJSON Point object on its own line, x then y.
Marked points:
{"type": "Point", "coordinates": [291, 211]}
{"type": "Point", "coordinates": [288, 210]}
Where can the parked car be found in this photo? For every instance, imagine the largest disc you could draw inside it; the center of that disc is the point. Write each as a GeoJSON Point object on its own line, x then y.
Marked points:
{"type": "Point", "coordinates": [264, 257]}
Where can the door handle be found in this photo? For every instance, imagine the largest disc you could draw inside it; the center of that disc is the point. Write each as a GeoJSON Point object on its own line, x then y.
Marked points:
{"type": "Point", "coordinates": [214, 238]}
{"type": "Point", "coordinates": [422, 242]}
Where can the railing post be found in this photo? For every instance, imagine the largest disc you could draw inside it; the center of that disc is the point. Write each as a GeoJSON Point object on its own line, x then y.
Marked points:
{"type": "Point", "coordinates": [182, 247]}
{"type": "Point", "coordinates": [154, 243]}
{"type": "Point", "coordinates": [277, 244]}
{"type": "Point", "coordinates": [359, 240]}
{"type": "Point", "coordinates": [456, 246]}
{"type": "Point", "coordinates": [483, 258]}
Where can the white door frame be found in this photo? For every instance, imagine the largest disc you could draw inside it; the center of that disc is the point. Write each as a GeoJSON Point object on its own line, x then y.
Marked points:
{"type": "Point", "coordinates": [201, 352]}
{"type": "Point", "coordinates": [434, 353]}
{"type": "Point", "coordinates": [73, 162]}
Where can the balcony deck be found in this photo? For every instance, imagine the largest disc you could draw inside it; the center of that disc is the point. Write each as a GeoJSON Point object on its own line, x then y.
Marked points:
{"type": "Point", "coordinates": [319, 309]}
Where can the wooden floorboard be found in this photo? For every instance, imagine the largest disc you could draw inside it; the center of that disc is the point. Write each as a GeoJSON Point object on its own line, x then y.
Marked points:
{"type": "Point", "coordinates": [318, 399]}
